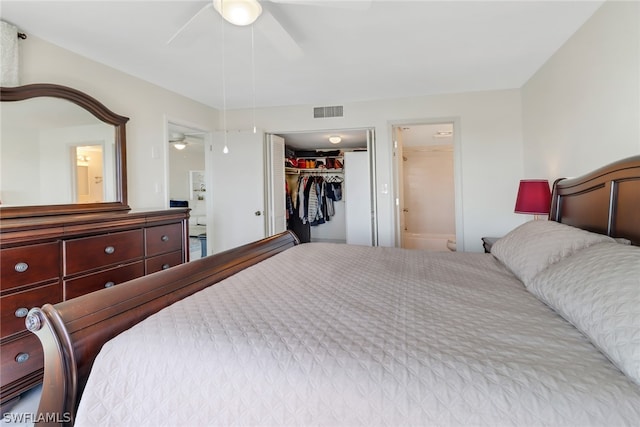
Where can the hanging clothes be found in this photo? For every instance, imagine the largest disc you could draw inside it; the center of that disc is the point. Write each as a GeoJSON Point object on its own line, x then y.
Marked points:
{"type": "Point", "coordinates": [288, 202]}
{"type": "Point", "coordinates": [292, 181]}
{"type": "Point", "coordinates": [297, 220]}
{"type": "Point", "coordinates": [336, 188]}
{"type": "Point", "coordinates": [312, 201]}
{"type": "Point", "coordinates": [303, 199]}
{"type": "Point", "coordinates": [312, 197]}
{"type": "Point", "coordinates": [328, 201]}
{"type": "Point", "coordinates": [316, 217]}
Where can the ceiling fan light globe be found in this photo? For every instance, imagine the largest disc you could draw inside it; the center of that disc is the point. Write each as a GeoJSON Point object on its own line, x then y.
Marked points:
{"type": "Point", "coordinates": [238, 12]}
{"type": "Point", "coordinates": [335, 139]}
{"type": "Point", "coordinates": [179, 146]}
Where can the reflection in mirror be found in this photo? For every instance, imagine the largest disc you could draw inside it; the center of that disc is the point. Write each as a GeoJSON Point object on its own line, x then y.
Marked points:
{"type": "Point", "coordinates": [35, 164]}
{"type": "Point", "coordinates": [90, 183]}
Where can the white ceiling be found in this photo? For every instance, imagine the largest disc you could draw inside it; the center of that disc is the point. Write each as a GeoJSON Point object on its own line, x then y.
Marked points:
{"type": "Point", "coordinates": [383, 49]}
{"type": "Point", "coordinates": [421, 135]}
{"type": "Point", "coordinates": [351, 138]}
{"type": "Point", "coordinates": [413, 135]}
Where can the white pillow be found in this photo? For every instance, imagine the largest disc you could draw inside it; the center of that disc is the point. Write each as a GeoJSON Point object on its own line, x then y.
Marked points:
{"type": "Point", "coordinates": [598, 290]}
{"type": "Point", "coordinates": [535, 245]}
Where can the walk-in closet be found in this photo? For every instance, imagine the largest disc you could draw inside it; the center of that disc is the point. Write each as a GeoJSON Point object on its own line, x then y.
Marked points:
{"type": "Point", "coordinates": [328, 186]}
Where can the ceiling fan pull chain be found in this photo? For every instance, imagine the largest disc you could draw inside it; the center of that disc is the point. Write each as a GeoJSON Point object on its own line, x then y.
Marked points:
{"type": "Point", "coordinates": [253, 79]}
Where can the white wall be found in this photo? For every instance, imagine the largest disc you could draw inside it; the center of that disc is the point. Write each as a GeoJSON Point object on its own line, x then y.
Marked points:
{"type": "Point", "coordinates": [582, 108]}
{"type": "Point", "coordinates": [491, 145]}
{"type": "Point", "coordinates": [579, 111]}
{"type": "Point", "coordinates": [429, 191]}
{"type": "Point", "coordinates": [20, 150]}
{"type": "Point", "coordinates": [490, 135]}
{"type": "Point", "coordinates": [180, 163]}
{"type": "Point", "coordinates": [145, 104]}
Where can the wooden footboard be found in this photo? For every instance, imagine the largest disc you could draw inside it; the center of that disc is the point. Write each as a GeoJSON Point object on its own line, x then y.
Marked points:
{"type": "Point", "coordinates": [73, 332]}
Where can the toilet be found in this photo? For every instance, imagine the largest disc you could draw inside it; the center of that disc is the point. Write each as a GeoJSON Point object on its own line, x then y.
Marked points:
{"type": "Point", "coordinates": [451, 245]}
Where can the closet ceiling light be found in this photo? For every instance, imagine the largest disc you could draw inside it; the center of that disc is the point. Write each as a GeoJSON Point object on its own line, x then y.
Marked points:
{"type": "Point", "coordinates": [443, 134]}
{"type": "Point", "coordinates": [335, 139]}
{"type": "Point", "coordinates": [238, 12]}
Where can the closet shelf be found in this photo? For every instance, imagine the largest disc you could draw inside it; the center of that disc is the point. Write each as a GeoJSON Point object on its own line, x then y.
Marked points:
{"type": "Point", "coordinates": [339, 156]}
{"type": "Point", "coordinates": [311, 170]}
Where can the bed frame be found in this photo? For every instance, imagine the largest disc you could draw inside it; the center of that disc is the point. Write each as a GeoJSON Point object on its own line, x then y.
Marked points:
{"type": "Point", "coordinates": [605, 201]}
{"type": "Point", "coordinates": [72, 333]}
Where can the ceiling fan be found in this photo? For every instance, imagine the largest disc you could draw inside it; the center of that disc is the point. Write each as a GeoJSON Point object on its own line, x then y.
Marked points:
{"type": "Point", "coordinates": [246, 12]}
{"type": "Point", "coordinates": [180, 140]}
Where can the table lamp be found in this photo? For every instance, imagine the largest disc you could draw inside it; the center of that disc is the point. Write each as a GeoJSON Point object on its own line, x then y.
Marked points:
{"type": "Point", "coordinates": [534, 197]}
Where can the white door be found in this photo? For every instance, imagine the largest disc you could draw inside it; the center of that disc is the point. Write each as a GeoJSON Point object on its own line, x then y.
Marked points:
{"type": "Point", "coordinates": [276, 213]}
{"type": "Point", "coordinates": [237, 189]}
{"type": "Point", "coordinates": [357, 198]}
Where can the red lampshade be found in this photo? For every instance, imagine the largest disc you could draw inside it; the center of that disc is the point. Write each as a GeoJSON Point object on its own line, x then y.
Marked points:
{"type": "Point", "coordinates": [534, 197]}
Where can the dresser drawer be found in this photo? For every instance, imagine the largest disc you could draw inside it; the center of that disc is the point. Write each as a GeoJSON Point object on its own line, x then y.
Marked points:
{"type": "Point", "coordinates": [163, 239]}
{"type": "Point", "coordinates": [103, 279]}
{"type": "Point", "coordinates": [162, 262]}
{"type": "Point", "coordinates": [15, 306]}
{"type": "Point", "coordinates": [93, 252]}
{"type": "Point", "coordinates": [29, 264]}
{"type": "Point", "coordinates": [21, 357]}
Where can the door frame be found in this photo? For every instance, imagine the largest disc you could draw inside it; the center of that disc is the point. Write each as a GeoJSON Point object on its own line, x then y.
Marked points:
{"type": "Point", "coordinates": [457, 174]}
{"type": "Point", "coordinates": [208, 176]}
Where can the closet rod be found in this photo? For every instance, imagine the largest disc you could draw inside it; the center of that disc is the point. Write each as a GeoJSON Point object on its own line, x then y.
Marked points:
{"type": "Point", "coordinates": [314, 171]}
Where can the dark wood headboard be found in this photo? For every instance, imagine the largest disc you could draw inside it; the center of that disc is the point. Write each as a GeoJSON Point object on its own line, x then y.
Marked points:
{"type": "Point", "coordinates": [605, 201]}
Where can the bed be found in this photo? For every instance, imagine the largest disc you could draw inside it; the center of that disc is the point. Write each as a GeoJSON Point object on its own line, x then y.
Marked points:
{"type": "Point", "coordinates": [542, 333]}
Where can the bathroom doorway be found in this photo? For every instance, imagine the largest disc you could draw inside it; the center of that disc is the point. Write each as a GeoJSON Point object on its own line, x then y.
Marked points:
{"type": "Point", "coordinates": [426, 190]}
{"type": "Point", "coordinates": [88, 173]}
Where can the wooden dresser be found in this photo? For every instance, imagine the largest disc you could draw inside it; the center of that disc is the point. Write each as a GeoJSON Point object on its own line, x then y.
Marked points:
{"type": "Point", "coordinates": [54, 258]}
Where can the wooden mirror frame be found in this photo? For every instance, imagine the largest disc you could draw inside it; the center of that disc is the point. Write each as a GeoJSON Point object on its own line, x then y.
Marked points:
{"type": "Point", "coordinates": [93, 106]}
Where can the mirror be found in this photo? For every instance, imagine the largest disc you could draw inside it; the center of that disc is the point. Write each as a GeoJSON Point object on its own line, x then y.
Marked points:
{"type": "Point", "coordinates": [61, 152]}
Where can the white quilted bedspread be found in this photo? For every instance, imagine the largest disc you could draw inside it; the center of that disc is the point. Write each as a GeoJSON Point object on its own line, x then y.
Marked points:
{"type": "Point", "coordinates": [337, 335]}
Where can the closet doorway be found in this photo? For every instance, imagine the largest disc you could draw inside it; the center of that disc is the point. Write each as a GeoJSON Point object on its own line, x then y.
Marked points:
{"type": "Point", "coordinates": [426, 186]}
{"type": "Point", "coordinates": [329, 185]}
{"type": "Point", "coordinates": [187, 173]}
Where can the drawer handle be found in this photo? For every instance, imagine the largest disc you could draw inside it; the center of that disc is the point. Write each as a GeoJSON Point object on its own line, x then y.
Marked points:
{"type": "Point", "coordinates": [22, 312]}
{"type": "Point", "coordinates": [21, 267]}
{"type": "Point", "coordinates": [109, 250]}
{"type": "Point", "coordinates": [22, 357]}
{"type": "Point", "coordinates": [109, 284]}
{"type": "Point", "coordinates": [164, 238]}
{"type": "Point", "coordinates": [165, 266]}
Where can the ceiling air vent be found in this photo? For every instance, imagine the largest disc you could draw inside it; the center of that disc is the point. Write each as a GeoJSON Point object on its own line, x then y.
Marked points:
{"type": "Point", "coordinates": [323, 112]}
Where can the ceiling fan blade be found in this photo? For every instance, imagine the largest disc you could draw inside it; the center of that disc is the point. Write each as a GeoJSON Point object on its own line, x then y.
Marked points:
{"type": "Point", "coordinates": [341, 4]}
{"type": "Point", "coordinates": [278, 36]}
{"type": "Point", "coordinates": [181, 29]}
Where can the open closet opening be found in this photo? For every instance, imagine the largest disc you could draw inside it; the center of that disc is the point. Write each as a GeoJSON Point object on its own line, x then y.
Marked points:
{"type": "Point", "coordinates": [328, 185]}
